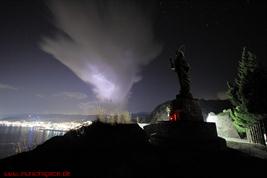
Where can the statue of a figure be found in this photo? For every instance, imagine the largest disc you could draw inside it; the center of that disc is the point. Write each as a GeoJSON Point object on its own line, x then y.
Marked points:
{"type": "Point", "coordinates": [181, 67]}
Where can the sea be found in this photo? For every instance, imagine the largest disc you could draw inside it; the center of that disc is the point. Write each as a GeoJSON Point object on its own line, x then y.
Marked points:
{"type": "Point", "coordinates": [24, 132]}
{"type": "Point", "coordinates": [16, 139]}
{"type": "Point", "coordinates": [19, 135]}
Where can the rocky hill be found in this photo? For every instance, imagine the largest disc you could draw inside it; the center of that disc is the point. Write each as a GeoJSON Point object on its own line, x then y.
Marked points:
{"type": "Point", "coordinates": [207, 106]}
{"type": "Point", "coordinates": [124, 150]}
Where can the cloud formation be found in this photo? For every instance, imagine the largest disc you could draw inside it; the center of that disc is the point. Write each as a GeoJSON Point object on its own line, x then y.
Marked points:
{"type": "Point", "coordinates": [72, 95]}
{"type": "Point", "coordinates": [105, 43]}
{"type": "Point", "coordinates": [7, 87]}
{"type": "Point", "coordinates": [40, 95]}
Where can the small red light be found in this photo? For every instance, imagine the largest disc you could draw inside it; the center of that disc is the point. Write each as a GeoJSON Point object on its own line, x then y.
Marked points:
{"type": "Point", "coordinates": [175, 116]}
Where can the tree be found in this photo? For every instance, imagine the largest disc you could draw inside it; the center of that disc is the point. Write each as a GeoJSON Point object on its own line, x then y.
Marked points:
{"type": "Point", "coordinates": [247, 93]}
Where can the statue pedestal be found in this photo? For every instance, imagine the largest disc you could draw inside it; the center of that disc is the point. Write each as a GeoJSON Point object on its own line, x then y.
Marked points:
{"type": "Point", "coordinates": [188, 107]}
{"type": "Point", "coordinates": [185, 135]}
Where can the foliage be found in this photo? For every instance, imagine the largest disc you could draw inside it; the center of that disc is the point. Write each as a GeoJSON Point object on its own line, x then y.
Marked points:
{"type": "Point", "coordinates": [118, 118]}
{"type": "Point", "coordinates": [243, 119]}
{"type": "Point", "coordinates": [101, 115]}
{"type": "Point", "coordinates": [239, 89]}
{"type": "Point", "coordinates": [247, 93]}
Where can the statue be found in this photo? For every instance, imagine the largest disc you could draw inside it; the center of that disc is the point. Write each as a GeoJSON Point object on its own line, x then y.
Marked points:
{"type": "Point", "coordinates": [181, 67]}
{"type": "Point", "coordinates": [184, 107]}
{"type": "Point", "coordinates": [179, 123]}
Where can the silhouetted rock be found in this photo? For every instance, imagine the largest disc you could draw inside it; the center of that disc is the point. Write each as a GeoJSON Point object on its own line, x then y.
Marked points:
{"type": "Point", "coordinates": [224, 124]}
{"type": "Point", "coordinates": [160, 113]}
{"type": "Point", "coordinates": [216, 106]}
{"type": "Point", "coordinates": [124, 150]}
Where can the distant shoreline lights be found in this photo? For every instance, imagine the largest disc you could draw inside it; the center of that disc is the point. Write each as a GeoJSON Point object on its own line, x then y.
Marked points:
{"type": "Point", "coordinates": [58, 126]}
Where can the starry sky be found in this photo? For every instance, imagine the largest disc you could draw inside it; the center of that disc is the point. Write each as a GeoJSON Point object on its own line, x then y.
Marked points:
{"type": "Point", "coordinates": [33, 81]}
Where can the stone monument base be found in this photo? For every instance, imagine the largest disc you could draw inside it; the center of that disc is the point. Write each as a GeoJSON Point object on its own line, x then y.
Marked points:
{"type": "Point", "coordinates": [188, 107]}
{"type": "Point", "coordinates": [185, 135]}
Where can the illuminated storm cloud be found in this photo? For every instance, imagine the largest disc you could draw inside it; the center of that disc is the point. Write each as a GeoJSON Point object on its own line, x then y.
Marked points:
{"type": "Point", "coordinates": [105, 43]}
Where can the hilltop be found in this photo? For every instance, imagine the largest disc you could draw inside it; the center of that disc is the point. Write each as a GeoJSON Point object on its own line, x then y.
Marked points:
{"type": "Point", "coordinates": [124, 150]}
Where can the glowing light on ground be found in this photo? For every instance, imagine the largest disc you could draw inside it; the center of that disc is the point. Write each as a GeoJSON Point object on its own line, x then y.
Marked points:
{"type": "Point", "coordinates": [60, 126]}
{"type": "Point", "coordinates": [212, 118]}
{"type": "Point", "coordinates": [142, 125]}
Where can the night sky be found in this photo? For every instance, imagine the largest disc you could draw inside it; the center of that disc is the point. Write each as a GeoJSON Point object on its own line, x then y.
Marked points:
{"type": "Point", "coordinates": [33, 81]}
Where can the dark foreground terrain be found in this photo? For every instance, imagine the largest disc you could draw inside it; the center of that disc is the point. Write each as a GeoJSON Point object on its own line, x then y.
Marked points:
{"type": "Point", "coordinates": [123, 150]}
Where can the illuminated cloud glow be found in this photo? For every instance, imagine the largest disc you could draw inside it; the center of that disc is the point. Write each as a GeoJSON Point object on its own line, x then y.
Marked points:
{"type": "Point", "coordinates": [105, 43]}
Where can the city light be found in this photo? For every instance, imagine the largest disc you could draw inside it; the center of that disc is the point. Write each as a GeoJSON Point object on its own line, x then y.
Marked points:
{"type": "Point", "coordinates": [45, 125]}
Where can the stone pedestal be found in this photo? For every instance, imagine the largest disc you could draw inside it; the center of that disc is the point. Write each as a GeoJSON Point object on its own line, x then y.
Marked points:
{"type": "Point", "coordinates": [185, 135]}
{"type": "Point", "coordinates": [188, 107]}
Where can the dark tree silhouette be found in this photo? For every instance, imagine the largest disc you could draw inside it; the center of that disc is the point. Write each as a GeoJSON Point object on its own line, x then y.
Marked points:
{"type": "Point", "coordinates": [247, 93]}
